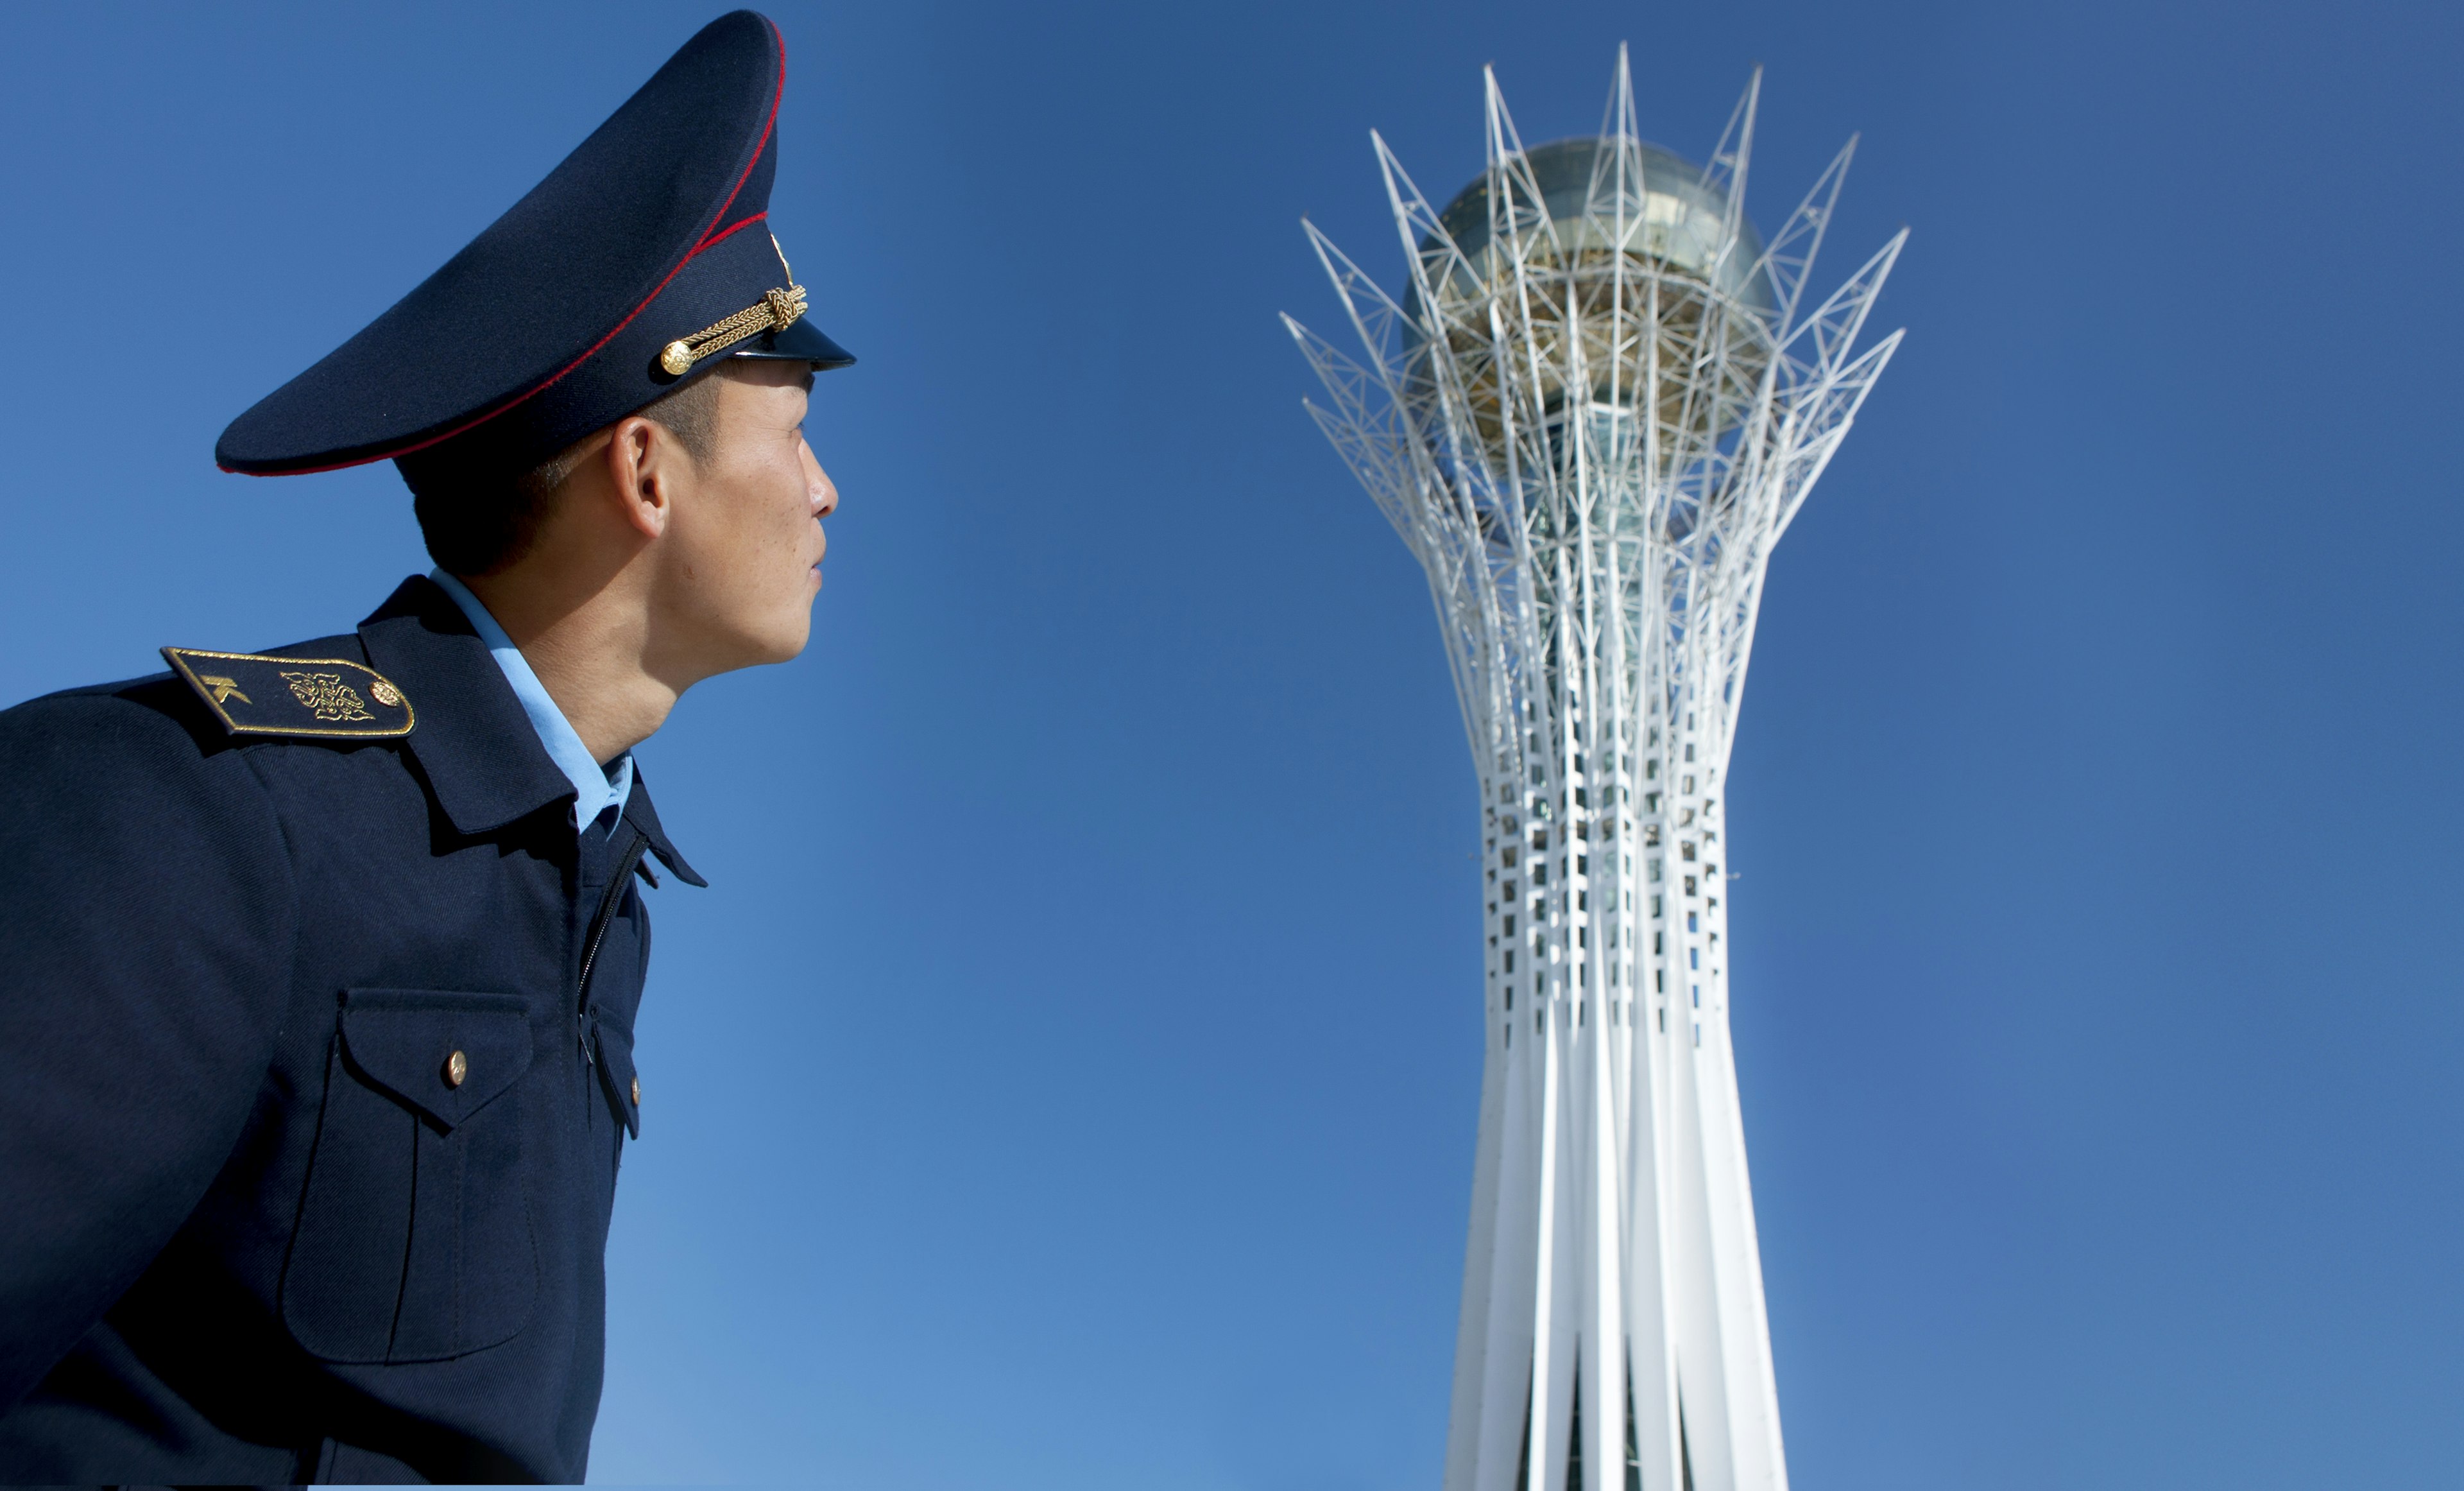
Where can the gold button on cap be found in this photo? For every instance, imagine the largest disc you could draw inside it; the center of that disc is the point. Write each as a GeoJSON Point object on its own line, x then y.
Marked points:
{"type": "Point", "coordinates": [637, 1092]}
{"type": "Point", "coordinates": [457, 1066]}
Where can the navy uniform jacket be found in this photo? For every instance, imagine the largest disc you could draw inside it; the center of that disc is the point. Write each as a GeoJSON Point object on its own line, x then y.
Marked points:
{"type": "Point", "coordinates": [311, 1115]}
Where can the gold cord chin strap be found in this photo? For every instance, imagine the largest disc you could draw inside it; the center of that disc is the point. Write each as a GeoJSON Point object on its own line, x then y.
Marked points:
{"type": "Point", "coordinates": [777, 312]}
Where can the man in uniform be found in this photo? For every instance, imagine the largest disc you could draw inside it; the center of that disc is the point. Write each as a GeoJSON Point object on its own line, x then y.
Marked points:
{"type": "Point", "coordinates": [319, 966]}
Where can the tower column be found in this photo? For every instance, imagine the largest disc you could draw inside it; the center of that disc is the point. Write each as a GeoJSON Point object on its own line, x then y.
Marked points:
{"type": "Point", "coordinates": [1591, 410]}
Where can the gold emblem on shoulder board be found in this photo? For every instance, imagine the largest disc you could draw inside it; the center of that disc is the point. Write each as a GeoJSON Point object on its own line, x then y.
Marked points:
{"type": "Point", "coordinates": [327, 697]}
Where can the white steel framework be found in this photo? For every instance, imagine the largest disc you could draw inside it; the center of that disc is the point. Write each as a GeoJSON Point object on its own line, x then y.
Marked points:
{"type": "Point", "coordinates": [1595, 409]}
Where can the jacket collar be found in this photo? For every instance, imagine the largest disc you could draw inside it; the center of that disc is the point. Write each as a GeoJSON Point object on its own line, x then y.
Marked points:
{"type": "Point", "coordinates": [639, 812]}
{"type": "Point", "coordinates": [482, 757]}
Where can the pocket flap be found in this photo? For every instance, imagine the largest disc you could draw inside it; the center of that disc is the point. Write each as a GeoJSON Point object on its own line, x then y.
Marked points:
{"type": "Point", "coordinates": [445, 1054]}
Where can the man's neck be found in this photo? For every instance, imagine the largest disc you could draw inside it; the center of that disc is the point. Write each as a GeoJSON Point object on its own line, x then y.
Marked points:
{"type": "Point", "coordinates": [586, 640]}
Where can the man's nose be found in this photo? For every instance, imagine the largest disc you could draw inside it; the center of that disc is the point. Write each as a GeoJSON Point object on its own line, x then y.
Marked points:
{"type": "Point", "coordinates": [817, 486]}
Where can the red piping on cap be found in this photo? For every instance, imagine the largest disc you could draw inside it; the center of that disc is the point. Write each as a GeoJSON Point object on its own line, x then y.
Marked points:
{"type": "Point", "coordinates": [778, 90]}
{"type": "Point", "coordinates": [723, 234]}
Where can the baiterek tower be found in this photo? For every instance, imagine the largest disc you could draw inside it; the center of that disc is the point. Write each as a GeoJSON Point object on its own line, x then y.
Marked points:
{"type": "Point", "coordinates": [1593, 408]}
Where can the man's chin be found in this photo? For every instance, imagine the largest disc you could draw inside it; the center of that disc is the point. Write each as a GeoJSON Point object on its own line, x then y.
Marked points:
{"type": "Point", "coordinates": [792, 640]}
{"type": "Point", "coordinates": [760, 646]}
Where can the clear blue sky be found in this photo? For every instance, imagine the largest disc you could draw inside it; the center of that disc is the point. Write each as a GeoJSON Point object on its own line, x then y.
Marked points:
{"type": "Point", "coordinates": [1070, 1079]}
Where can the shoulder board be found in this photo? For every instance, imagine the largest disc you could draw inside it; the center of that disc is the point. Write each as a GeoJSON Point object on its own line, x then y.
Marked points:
{"type": "Point", "coordinates": [257, 695]}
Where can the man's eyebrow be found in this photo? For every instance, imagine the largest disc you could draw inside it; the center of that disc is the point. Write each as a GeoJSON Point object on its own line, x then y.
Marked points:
{"type": "Point", "coordinates": [808, 380]}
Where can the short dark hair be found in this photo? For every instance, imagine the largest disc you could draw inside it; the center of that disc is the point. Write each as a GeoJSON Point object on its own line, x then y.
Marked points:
{"type": "Point", "coordinates": [478, 516]}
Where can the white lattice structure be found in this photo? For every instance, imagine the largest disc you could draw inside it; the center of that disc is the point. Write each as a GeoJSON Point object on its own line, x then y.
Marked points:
{"type": "Point", "coordinates": [1591, 413]}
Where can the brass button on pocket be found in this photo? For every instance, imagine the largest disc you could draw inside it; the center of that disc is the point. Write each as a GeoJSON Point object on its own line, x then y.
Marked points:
{"type": "Point", "coordinates": [637, 1092]}
{"type": "Point", "coordinates": [457, 1067]}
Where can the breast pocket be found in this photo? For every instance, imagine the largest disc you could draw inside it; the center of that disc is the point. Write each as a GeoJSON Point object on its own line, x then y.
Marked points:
{"type": "Point", "coordinates": [414, 1239]}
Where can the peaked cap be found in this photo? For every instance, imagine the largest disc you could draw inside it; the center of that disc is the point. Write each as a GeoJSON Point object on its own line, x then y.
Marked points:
{"type": "Point", "coordinates": [641, 259]}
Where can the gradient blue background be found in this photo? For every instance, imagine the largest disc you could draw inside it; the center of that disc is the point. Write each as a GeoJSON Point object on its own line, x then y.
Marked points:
{"type": "Point", "coordinates": [1069, 1079]}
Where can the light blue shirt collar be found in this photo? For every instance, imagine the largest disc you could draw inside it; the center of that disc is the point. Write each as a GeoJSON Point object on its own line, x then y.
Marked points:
{"type": "Point", "coordinates": [596, 788]}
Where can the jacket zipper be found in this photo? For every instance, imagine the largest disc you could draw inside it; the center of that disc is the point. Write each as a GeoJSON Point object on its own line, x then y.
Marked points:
{"type": "Point", "coordinates": [608, 900]}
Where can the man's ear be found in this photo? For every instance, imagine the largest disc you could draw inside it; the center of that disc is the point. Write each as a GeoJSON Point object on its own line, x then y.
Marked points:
{"type": "Point", "coordinates": [645, 464]}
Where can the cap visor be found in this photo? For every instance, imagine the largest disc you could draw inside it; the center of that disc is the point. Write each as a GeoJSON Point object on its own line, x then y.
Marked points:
{"type": "Point", "coordinates": [801, 342]}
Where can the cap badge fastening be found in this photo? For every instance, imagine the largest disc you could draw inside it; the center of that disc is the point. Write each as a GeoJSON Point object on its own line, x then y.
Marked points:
{"type": "Point", "coordinates": [778, 311]}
